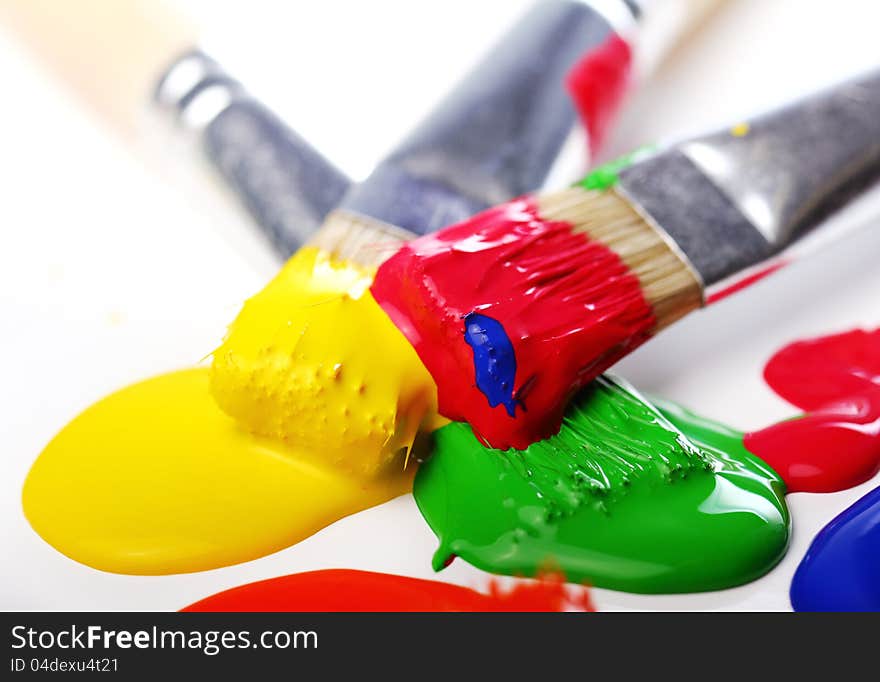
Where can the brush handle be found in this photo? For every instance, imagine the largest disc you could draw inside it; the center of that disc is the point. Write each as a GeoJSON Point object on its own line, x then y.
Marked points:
{"type": "Point", "coordinates": [106, 51]}
{"type": "Point", "coordinates": [732, 199]}
{"type": "Point", "coordinates": [285, 183]}
{"type": "Point", "coordinates": [496, 135]}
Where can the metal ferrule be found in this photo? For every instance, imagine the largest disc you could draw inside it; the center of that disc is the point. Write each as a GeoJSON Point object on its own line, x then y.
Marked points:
{"type": "Point", "coordinates": [285, 183]}
{"type": "Point", "coordinates": [735, 198]}
{"type": "Point", "coordinates": [496, 135]}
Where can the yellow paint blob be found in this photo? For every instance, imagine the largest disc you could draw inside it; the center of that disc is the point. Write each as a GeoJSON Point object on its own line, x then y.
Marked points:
{"type": "Point", "coordinates": [156, 479]}
{"type": "Point", "coordinates": [740, 129]}
{"type": "Point", "coordinates": [313, 360]}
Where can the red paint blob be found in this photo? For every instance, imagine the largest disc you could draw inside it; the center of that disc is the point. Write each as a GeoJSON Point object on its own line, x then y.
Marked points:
{"type": "Point", "coordinates": [569, 306]}
{"type": "Point", "coordinates": [811, 373]}
{"type": "Point", "coordinates": [837, 444]}
{"type": "Point", "coordinates": [347, 590]}
{"type": "Point", "coordinates": [833, 448]}
{"type": "Point", "coordinates": [597, 84]}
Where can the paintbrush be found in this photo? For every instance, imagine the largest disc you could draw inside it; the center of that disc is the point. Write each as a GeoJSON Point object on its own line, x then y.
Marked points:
{"type": "Point", "coordinates": [514, 310]}
{"type": "Point", "coordinates": [312, 359]}
{"type": "Point", "coordinates": [117, 55]}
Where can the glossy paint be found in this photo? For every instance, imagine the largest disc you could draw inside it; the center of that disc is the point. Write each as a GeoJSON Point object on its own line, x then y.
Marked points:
{"type": "Point", "coordinates": [619, 498]}
{"type": "Point", "coordinates": [814, 372]}
{"type": "Point", "coordinates": [156, 479]}
{"type": "Point", "coordinates": [546, 286]}
{"type": "Point", "coordinates": [312, 361]}
{"type": "Point", "coordinates": [841, 570]}
{"type": "Point", "coordinates": [836, 445]}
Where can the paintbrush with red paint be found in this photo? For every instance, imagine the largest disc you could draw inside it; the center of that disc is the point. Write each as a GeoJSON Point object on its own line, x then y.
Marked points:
{"type": "Point", "coordinates": [514, 310]}
{"type": "Point", "coordinates": [493, 137]}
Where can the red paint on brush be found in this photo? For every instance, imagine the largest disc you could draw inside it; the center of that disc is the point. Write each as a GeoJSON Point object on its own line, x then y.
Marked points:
{"type": "Point", "coordinates": [837, 444]}
{"type": "Point", "coordinates": [745, 282]}
{"type": "Point", "coordinates": [570, 309]}
{"type": "Point", "coordinates": [597, 83]}
{"type": "Point", "coordinates": [347, 590]}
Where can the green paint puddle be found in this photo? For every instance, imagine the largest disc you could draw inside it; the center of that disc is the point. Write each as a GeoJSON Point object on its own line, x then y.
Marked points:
{"type": "Point", "coordinates": [619, 498]}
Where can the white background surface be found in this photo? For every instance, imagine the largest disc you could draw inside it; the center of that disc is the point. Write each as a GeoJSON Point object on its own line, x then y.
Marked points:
{"type": "Point", "coordinates": [111, 272]}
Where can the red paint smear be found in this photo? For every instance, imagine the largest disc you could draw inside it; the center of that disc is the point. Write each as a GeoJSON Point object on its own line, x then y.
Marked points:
{"type": "Point", "coordinates": [745, 282]}
{"type": "Point", "coordinates": [347, 590]}
{"type": "Point", "coordinates": [597, 84]}
{"type": "Point", "coordinates": [570, 307]}
{"type": "Point", "coordinates": [837, 444]}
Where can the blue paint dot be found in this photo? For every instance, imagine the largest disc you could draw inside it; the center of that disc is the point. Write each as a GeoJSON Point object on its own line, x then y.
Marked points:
{"type": "Point", "coordinates": [494, 360]}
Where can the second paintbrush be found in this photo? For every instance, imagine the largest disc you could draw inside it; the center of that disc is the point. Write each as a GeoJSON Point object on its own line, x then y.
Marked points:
{"type": "Point", "coordinates": [515, 309]}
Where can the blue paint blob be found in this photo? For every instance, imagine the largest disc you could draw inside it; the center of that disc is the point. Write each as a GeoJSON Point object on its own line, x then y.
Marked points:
{"type": "Point", "coordinates": [494, 360]}
{"type": "Point", "coordinates": [841, 570]}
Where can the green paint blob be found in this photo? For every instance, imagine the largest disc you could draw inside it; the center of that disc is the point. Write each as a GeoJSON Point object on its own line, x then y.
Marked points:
{"type": "Point", "coordinates": [606, 175]}
{"type": "Point", "coordinates": [619, 498]}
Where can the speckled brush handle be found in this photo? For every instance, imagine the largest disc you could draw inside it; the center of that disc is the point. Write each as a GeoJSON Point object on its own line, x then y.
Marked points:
{"type": "Point", "coordinates": [285, 183]}
{"type": "Point", "coordinates": [732, 199]}
{"type": "Point", "coordinates": [496, 135]}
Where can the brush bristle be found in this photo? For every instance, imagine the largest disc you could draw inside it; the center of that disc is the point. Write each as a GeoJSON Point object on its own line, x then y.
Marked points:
{"type": "Point", "coordinates": [668, 283]}
{"type": "Point", "coordinates": [358, 239]}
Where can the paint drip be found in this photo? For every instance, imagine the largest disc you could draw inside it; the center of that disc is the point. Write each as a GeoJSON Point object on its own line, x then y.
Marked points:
{"type": "Point", "coordinates": [597, 84]}
{"type": "Point", "coordinates": [348, 590]}
{"type": "Point", "coordinates": [841, 569]}
{"type": "Point", "coordinates": [155, 479]}
{"type": "Point", "coordinates": [552, 298]}
{"type": "Point", "coordinates": [619, 498]}
{"type": "Point", "coordinates": [836, 445]}
{"type": "Point", "coordinates": [312, 360]}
